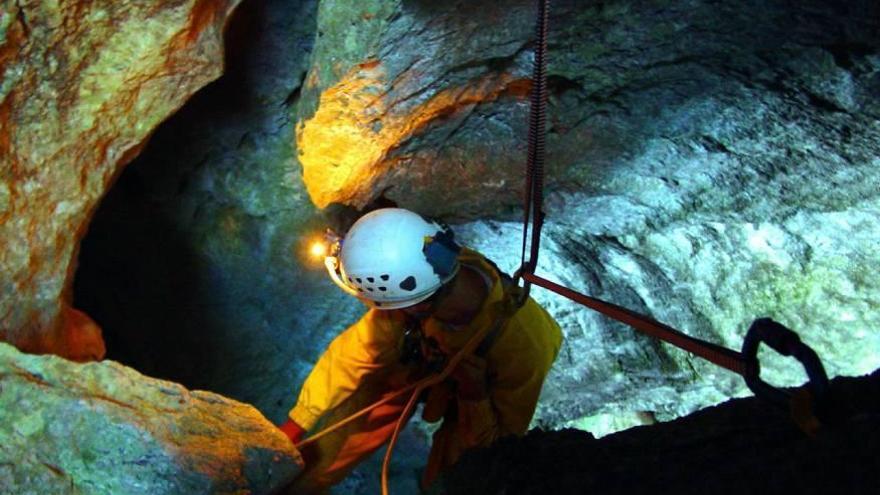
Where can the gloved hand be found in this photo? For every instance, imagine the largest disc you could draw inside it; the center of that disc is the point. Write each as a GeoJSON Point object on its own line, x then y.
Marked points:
{"type": "Point", "coordinates": [293, 431]}
{"type": "Point", "coordinates": [470, 375]}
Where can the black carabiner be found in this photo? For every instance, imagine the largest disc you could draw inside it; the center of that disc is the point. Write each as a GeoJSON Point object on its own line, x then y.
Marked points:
{"type": "Point", "coordinates": [787, 343]}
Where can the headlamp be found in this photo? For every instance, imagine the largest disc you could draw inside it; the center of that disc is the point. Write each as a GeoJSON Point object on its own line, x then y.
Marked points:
{"type": "Point", "coordinates": [327, 245]}
{"type": "Point", "coordinates": [332, 245]}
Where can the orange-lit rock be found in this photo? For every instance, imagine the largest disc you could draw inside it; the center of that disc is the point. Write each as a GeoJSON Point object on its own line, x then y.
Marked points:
{"type": "Point", "coordinates": [344, 146]}
{"type": "Point", "coordinates": [83, 85]}
{"type": "Point", "coordinates": [80, 337]}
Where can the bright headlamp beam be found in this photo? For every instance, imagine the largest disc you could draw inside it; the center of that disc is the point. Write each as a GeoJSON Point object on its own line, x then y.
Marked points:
{"type": "Point", "coordinates": [318, 249]}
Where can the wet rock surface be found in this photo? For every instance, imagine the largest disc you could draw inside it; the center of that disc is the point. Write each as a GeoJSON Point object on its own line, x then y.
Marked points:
{"type": "Point", "coordinates": [740, 446]}
{"type": "Point", "coordinates": [103, 428]}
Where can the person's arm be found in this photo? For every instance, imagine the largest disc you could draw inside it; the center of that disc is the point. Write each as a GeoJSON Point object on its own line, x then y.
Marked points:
{"type": "Point", "coordinates": [366, 347]}
{"type": "Point", "coordinates": [518, 364]}
{"type": "Point", "coordinates": [293, 431]}
{"type": "Point", "coordinates": [507, 409]}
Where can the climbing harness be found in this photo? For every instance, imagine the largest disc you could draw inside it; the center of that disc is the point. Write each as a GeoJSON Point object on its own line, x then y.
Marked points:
{"type": "Point", "coordinates": [502, 309]}
{"type": "Point", "coordinates": [745, 363]}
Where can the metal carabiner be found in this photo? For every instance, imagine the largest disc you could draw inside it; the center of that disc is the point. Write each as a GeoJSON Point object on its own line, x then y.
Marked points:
{"type": "Point", "coordinates": [785, 342]}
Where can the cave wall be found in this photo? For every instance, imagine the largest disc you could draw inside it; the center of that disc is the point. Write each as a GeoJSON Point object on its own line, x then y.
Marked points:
{"type": "Point", "coordinates": [202, 239]}
{"type": "Point", "coordinates": [404, 95]}
{"type": "Point", "coordinates": [83, 85]}
{"type": "Point", "coordinates": [710, 163]}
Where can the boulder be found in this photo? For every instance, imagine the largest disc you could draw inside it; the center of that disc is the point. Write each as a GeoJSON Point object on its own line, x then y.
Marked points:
{"type": "Point", "coordinates": [103, 428]}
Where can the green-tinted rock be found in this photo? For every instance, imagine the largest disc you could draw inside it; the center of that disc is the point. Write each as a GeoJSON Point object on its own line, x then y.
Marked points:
{"type": "Point", "coordinates": [696, 151]}
{"type": "Point", "coordinates": [102, 428]}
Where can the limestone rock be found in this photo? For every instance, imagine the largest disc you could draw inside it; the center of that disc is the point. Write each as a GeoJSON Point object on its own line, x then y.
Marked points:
{"type": "Point", "coordinates": [392, 84]}
{"type": "Point", "coordinates": [403, 96]}
{"type": "Point", "coordinates": [710, 163]}
{"type": "Point", "coordinates": [195, 265]}
{"type": "Point", "coordinates": [752, 199]}
{"type": "Point", "coordinates": [102, 428]}
{"type": "Point", "coordinates": [701, 198]}
{"type": "Point", "coordinates": [709, 276]}
{"type": "Point", "coordinates": [83, 85]}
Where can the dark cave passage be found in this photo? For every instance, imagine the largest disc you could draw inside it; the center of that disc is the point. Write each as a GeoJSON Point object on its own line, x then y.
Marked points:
{"type": "Point", "coordinates": [136, 279]}
{"type": "Point", "coordinates": [147, 270]}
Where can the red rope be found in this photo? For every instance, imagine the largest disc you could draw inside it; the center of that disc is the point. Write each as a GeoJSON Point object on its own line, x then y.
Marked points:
{"type": "Point", "coordinates": [534, 215]}
{"type": "Point", "coordinates": [721, 356]}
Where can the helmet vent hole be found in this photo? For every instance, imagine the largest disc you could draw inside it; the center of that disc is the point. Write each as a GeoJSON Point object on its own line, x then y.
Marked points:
{"type": "Point", "coordinates": [409, 283]}
{"type": "Point", "coordinates": [383, 289]}
{"type": "Point", "coordinates": [370, 289]}
{"type": "Point", "coordinates": [385, 277]}
{"type": "Point", "coordinates": [371, 279]}
{"type": "Point", "coordinates": [359, 280]}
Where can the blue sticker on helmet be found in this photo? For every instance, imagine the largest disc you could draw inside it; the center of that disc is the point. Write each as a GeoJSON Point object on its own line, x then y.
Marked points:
{"type": "Point", "coordinates": [441, 251]}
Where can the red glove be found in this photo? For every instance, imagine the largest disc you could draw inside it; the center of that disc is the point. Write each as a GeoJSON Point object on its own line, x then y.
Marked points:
{"type": "Point", "coordinates": [293, 431]}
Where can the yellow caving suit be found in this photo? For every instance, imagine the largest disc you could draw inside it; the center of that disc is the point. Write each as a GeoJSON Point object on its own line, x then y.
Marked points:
{"type": "Point", "coordinates": [362, 365]}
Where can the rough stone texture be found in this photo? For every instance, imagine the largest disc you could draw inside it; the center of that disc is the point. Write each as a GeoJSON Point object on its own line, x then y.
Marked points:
{"type": "Point", "coordinates": [711, 162]}
{"type": "Point", "coordinates": [741, 446]}
{"type": "Point", "coordinates": [392, 93]}
{"type": "Point", "coordinates": [83, 85]}
{"type": "Point", "coordinates": [709, 275]}
{"type": "Point", "coordinates": [403, 95]}
{"type": "Point", "coordinates": [203, 238]}
{"type": "Point", "coordinates": [194, 264]}
{"type": "Point", "coordinates": [103, 428]}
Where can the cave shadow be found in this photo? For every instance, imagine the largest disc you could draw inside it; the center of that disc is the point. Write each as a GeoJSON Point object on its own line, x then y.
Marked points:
{"type": "Point", "coordinates": [136, 277]}
{"type": "Point", "coordinates": [143, 274]}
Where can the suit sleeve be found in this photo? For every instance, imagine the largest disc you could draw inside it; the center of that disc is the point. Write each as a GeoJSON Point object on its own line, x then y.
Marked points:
{"type": "Point", "coordinates": [519, 363]}
{"type": "Point", "coordinates": [366, 348]}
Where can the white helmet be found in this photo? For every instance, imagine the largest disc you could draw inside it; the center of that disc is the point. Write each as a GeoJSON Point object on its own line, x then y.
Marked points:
{"type": "Point", "coordinates": [393, 258]}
